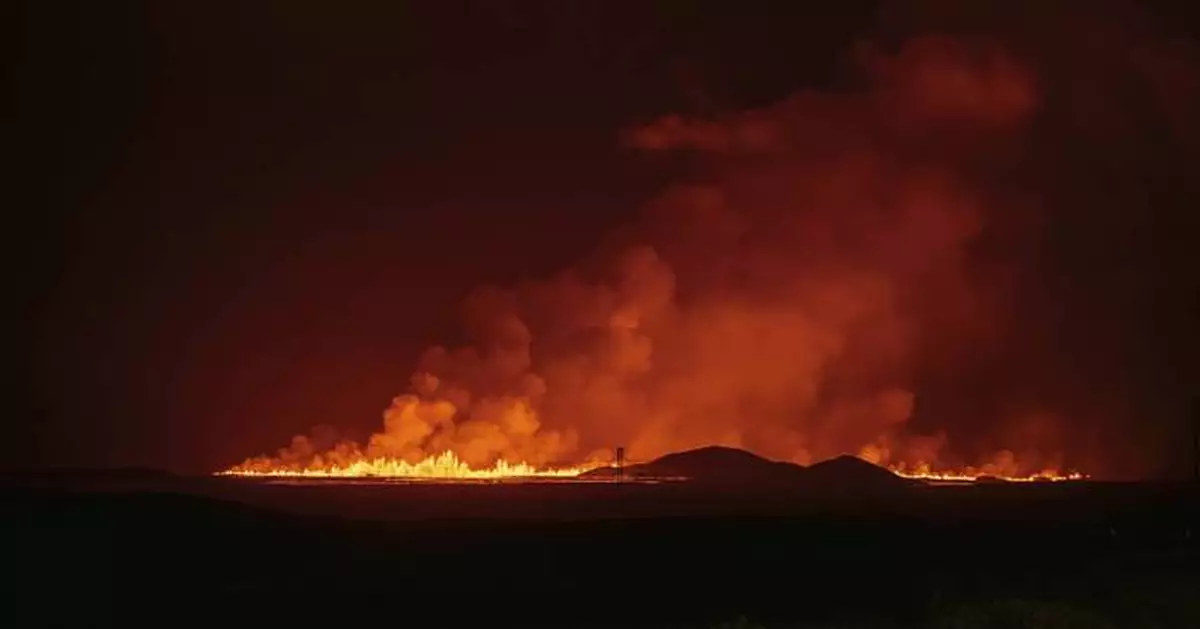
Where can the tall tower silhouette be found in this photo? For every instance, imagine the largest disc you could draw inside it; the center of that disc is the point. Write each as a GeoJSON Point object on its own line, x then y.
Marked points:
{"type": "Point", "coordinates": [620, 463]}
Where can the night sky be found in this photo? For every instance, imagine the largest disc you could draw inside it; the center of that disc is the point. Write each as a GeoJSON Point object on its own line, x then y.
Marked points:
{"type": "Point", "coordinates": [236, 221]}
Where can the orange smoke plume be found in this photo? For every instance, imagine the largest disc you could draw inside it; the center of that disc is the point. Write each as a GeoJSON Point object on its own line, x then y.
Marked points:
{"type": "Point", "coordinates": [787, 300]}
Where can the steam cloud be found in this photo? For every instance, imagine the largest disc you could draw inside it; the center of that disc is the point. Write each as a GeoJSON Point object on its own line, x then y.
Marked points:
{"type": "Point", "coordinates": [876, 269]}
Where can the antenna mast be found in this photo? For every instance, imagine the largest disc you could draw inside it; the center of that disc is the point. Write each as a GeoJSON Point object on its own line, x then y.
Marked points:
{"type": "Point", "coordinates": [620, 463]}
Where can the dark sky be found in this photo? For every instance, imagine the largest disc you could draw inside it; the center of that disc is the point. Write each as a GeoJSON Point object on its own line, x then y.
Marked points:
{"type": "Point", "coordinates": [251, 217]}
{"type": "Point", "coordinates": [242, 219]}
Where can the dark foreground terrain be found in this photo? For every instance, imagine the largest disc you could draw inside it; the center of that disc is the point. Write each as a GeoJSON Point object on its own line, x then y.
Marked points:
{"type": "Point", "coordinates": [599, 554]}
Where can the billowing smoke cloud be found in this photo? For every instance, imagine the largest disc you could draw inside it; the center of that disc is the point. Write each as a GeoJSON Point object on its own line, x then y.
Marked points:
{"type": "Point", "coordinates": [882, 269]}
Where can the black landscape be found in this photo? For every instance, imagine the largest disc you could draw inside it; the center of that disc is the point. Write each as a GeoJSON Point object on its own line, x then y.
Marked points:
{"type": "Point", "coordinates": [833, 544]}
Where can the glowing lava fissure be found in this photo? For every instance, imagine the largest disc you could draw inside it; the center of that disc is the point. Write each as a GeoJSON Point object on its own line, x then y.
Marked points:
{"type": "Point", "coordinates": [448, 467]}
{"type": "Point", "coordinates": [972, 476]}
{"type": "Point", "coordinates": [445, 466]}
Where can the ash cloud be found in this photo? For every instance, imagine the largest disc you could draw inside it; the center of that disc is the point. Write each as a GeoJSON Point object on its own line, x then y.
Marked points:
{"type": "Point", "coordinates": [914, 267]}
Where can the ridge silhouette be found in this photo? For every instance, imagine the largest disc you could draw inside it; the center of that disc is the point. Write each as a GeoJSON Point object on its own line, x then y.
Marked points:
{"type": "Point", "coordinates": [722, 465]}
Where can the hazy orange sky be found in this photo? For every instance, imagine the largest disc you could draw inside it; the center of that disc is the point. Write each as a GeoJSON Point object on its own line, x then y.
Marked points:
{"type": "Point", "coordinates": [929, 228]}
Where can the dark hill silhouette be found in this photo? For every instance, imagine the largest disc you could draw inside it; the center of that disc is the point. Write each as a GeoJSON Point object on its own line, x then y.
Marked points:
{"type": "Point", "coordinates": [850, 472]}
{"type": "Point", "coordinates": [718, 462]}
{"type": "Point", "coordinates": [719, 465]}
{"type": "Point", "coordinates": [710, 465]}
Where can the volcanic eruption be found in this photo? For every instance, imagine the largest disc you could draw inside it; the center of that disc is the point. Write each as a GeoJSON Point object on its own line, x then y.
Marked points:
{"type": "Point", "coordinates": [843, 271]}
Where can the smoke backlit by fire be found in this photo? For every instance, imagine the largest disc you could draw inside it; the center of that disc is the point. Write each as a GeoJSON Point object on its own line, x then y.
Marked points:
{"type": "Point", "coordinates": [832, 252]}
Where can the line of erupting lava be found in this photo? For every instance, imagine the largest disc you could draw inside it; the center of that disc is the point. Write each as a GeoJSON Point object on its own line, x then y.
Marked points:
{"type": "Point", "coordinates": [442, 466]}
{"type": "Point", "coordinates": [970, 477]}
{"type": "Point", "coordinates": [449, 467]}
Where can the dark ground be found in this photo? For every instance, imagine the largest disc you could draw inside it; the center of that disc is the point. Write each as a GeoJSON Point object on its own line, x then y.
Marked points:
{"type": "Point", "coordinates": [606, 555]}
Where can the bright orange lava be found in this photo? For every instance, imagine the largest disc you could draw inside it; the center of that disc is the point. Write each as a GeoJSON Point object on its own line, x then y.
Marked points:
{"type": "Point", "coordinates": [447, 466]}
{"type": "Point", "coordinates": [972, 476]}
{"type": "Point", "coordinates": [442, 466]}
